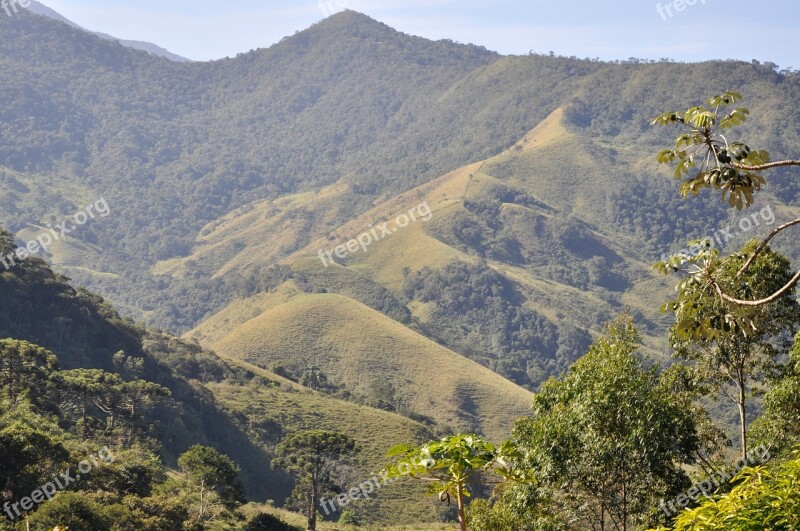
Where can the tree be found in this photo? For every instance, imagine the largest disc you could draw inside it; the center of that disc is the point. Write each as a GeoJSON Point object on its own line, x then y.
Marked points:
{"type": "Point", "coordinates": [311, 456]}
{"type": "Point", "coordinates": [268, 522]}
{"type": "Point", "coordinates": [315, 379]}
{"type": "Point", "coordinates": [734, 354]}
{"type": "Point", "coordinates": [28, 458]}
{"type": "Point", "coordinates": [78, 389]}
{"type": "Point", "coordinates": [212, 473]}
{"type": "Point", "coordinates": [731, 168]}
{"type": "Point", "coordinates": [451, 463]}
{"type": "Point", "coordinates": [779, 426]}
{"type": "Point", "coordinates": [607, 440]}
{"type": "Point", "coordinates": [763, 498]}
{"type": "Point", "coordinates": [23, 367]}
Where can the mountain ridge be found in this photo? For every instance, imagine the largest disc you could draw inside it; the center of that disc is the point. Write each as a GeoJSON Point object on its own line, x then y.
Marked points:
{"type": "Point", "coordinates": [153, 49]}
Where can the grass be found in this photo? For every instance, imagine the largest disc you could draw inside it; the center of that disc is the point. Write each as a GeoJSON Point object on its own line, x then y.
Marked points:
{"type": "Point", "coordinates": [360, 349]}
{"type": "Point", "coordinates": [296, 408]}
{"type": "Point", "coordinates": [300, 521]}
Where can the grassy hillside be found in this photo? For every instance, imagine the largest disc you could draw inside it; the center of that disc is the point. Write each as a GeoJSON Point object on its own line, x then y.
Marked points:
{"type": "Point", "coordinates": [554, 232]}
{"type": "Point", "coordinates": [366, 353]}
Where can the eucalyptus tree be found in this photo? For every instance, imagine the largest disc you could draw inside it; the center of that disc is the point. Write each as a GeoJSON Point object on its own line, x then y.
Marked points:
{"type": "Point", "coordinates": [609, 438]}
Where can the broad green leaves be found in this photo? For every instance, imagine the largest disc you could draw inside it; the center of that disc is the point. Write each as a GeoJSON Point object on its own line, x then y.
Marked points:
{"type": "Point", "coordinates": [701, 315]}
{"type": "Point", "coordinates": [763, 498]}
{"type": "Point", "coordinates": [705, 152]}
{"type": "Point", "coordinates": [450, 463]}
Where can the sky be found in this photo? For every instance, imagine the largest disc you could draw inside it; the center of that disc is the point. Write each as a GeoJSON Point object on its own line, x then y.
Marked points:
{"type": "Point", "coordinates": [684, 30]}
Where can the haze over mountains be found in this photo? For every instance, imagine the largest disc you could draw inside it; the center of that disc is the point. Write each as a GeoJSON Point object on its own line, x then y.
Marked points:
{"type": "Point", "coordinates": [226, 179]}
{"type": "Point", "coordinates": [43, 10]}
{"type": "Point", "coordinates": [217, 170]}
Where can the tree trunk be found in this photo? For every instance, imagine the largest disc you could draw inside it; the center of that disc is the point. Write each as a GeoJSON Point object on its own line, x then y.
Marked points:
{"type": "Point", "coordinates": [462, 516]}
{"type": "Point", "coordinates": [743, 418]}
{"type": "Point", "coordinates": [312, 507]}
{"type": "Point", "coordinates": [201, 516]}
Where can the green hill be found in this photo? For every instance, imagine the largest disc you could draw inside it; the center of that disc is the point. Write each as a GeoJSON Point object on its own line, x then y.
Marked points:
{"type": "Point", "coordinates": [367, 354]}
{"type": "Point", "coordinates": [315, 131]}
{"type": "Point", "coordinates": [231, 405]}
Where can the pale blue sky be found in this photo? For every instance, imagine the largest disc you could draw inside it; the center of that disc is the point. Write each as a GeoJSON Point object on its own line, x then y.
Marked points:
{"type": "Point", "coordinates": [767, 30]}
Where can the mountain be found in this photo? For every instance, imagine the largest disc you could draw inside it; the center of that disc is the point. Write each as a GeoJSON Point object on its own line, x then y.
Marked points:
{"type": "Point", "coordinates": [224, 180]}
{"type": "Point", "coordinates": [236, 407]}
{"type": "Point", "coordinates": [152, 49]}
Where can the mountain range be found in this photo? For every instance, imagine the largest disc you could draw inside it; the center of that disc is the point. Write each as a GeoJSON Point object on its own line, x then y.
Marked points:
{"type": "Point", "coordinates": [236, 189]}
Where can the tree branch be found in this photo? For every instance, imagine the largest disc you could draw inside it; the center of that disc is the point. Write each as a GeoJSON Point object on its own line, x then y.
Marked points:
{"type": "Point", "coordinates": [772, 298]}
{"type": "Point", "coordinates": [767, 166]}
{"type": "Point", "coordinates": [763, 245]}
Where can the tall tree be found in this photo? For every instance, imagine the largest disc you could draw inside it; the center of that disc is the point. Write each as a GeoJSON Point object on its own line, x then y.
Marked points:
{"type": "Point", "coordinates": [311, 456]}
{"type": "Point", "coordinates": [24, 367]}
{"type": "Point", "coordinates": [609, 438]}
{"type": "Point", "coordinates": [212, 474]}
{"type": "Point", "coordinates": [735, 354]}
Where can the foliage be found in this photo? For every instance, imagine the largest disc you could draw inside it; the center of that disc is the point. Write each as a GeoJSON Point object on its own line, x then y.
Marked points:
{"type": "Point", "coordinates": [349, 518]}
{"type": "Point", "coordinates": [485, 516]}
{"type": "Point", "coordinates": [312, 457]}
{"type": "Point", "coordinates": [268, 522]}
{"type": "Point", "coordinates": [214, 475]}
{"type": "Point", "coordinates": [480, 314]}
{"type": "Point", "coordinates": [452, 463]}
{"type": "Point", "coordinates": [763, 498]}
{"type": "Point", "coordinates": [28, 455]}
{"type": "Point", "coordinates": [733, 169]}
{"type": "Point", "coordinates": [722, 164]}
{"type": "Point", "coordinates": [74, 510]}
{"type": "Point", "coordinates": [734, 348]}
{"type": "Point", "coordinates": [779, 425]}
{"type": "Point", "coordinates": [23, 367]}
{"type": "Point", "coordinates": [608, 439]}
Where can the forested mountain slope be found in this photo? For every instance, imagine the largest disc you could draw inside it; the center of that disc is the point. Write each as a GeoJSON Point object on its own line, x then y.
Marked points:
{"type": "Point", "coordinates": [348, 103]}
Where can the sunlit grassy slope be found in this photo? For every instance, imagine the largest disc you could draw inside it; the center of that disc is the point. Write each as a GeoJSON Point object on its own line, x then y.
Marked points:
{"type": "Point", "coordinates": [358, 348]}
{"type": "Point", "coordinates": [526, 167]}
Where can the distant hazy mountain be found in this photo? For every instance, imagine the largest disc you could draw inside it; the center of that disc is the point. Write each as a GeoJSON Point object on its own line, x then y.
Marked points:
{"type": "Point", "coordinates": [149, 47]}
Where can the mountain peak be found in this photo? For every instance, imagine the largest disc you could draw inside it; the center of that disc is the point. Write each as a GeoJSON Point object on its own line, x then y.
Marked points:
{"type": "Point", "coordinates": [350, 20]}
